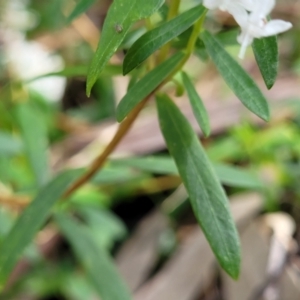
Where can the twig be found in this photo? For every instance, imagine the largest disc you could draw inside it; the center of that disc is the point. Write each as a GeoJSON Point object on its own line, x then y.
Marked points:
{"type": "Point", "coordinates": [100, 160]}
{"type": "Point", "coordinates": [13, 201]}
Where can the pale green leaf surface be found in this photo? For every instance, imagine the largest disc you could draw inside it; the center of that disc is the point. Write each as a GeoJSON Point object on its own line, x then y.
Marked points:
{"type": "Point", "coordinates": [156, 38]}
{"type": "Point", "coordinates": [9, 145]}
{"type": "Point", "coordinates": [34, 134]}
{"type": "Point", "coordinates": [147, 85]}
{"type": "Point", "coordinates": [121, 15]}
{"type": "Point", "coordinates": [80, 70]}
{"type": "Point", "coordinates": [80, 8]}
{"type": "Point", "coordinates": [237, 177]}
{"type": "Point", "coordinates": [236, 78]}
{"type": "Point", "coordinates": [29, 222]}
{"type": "Point", "coordinates": [207, 197]}
{"type": "Point", "coordinates": [227, 174]}
{"type": "Point", "coordinates": [104, 225]}
{"type": "Point", "coordinates": [97, 263]}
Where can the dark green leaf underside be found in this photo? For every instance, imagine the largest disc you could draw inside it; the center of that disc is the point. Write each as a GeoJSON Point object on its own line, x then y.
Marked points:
{"type": "Point", "coordinates": [207, 197]}
{"type": "Point", "coordinates": [198, 107]}
{"type": "Point", "coordinates": [236, 78]}
{"type": "Point", "coordinates": [266, 55]}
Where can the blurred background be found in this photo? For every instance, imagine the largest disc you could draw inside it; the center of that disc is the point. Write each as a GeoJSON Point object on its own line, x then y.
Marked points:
{"type": "Point", "coordinates": [136, 207]}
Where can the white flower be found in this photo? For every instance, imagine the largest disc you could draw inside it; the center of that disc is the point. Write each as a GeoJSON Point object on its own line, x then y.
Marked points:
{"type": "Point", "coordinates": [251, 15]}
{"type": "Point", "coordinates": [237, 8]}
{"type": "Point", "coordinates": [225, 4]}
{"type": "Point", "coordinates": [255, 24]}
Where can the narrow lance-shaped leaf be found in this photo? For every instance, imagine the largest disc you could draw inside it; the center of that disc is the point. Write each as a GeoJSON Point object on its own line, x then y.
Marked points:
{"type": "Point", "coordinates": [28, 224]}
{"type": "Point", "coordinates": [198, 107]}
{"type": "Point", "coordinates": [97, 263]}
{"type": "Point", "coordinates": [156, 38]}
{"type": "Point", "coordinates": [227, 174]}
{"type": "Point", "coordinates": [207, 197]}
{"type": "Point", "coordinates": [80, 8]}
{"type": "Point", "coordinates": [237, 177]}
{"type": "Point", "coordinates": [266, 55]}
{"type": "Point", "coordinates": [80, 70]}
{"type": "Point", "coordinates": [9, 145]}
{"type": "Point", "coordinates": [34, 135]}
{"type": "Point", "coordinates": [236, 78]}
{"type": "Point", "coordinates": [121, 15]}
{"type": "Point", "coordinates": [147, 85]}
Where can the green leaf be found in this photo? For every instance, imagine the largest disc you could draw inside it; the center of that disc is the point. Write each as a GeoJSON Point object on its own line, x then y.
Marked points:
{"type": "Point", "coordinates": [28, 224]}
{"type": "Point", "coordinates": [34, 134]}
{"type": "Point", "coordinates": [77, 71]}
{"type": "Point", "coordinates": [156, 38]}
{"type": "Point", "coordinates": [154, 164]}
{"type": "Point", "coordinates": [77, 287]}
{"type": "Point", "coordinates": [147, 85]}
{"type": "Point", "coordinates": [198, 107]}
{"type": "Point", "coordinates": [236, 78]}
{"type": "Point", "coordinates": [115, 175]}
{"type": "Point", "coordinates": [228, 37]}
{"type": "Point", "coordinates": [97, 263]}
{"type": "Point", "coordinates": [80, 8]}
{"type": "Point", "coordinates": [9, 145]}
{"type": "Point", "coordinates": [228, 175]}
{"type": "Point", "coordinates": [266, 55]}
{"type": "Point", "coordinates": [104, 225]}
{"type": "Point", "coordinates": [121, 15]}
{"type": "Point", "coordinates": [207, 197]}
{"type": "Point", "coordinates": [237, 177]}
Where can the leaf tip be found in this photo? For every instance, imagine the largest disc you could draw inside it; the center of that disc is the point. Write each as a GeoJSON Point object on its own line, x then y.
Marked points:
{"type": "Point", "coordinates": [266, 116]}
{"type": "Point", "coordinates": [232, 268]}
{"type": "Point", "coordinates": [235, 274]}
{"type": "Point", "coordinates": [206, 132]}
{"type": "Point", "coordinates": [270, 84]}
{"type": "Point", "coordinates": [119, 115]}
{"type": "Point", "coordinates": [89, 86]}
{"type": "Point", "coordinates": [126, 66]}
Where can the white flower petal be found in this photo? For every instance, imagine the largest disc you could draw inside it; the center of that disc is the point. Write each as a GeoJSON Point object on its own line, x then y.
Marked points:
{"type": "Point", "coordinates": [264, 7]}
{"type": "Point", "coordinates": [261, 10]}
{"type": "Point", "coordinates": [239, 13]}
{"type": "Point", "coordinates": [212, 4]}
{"type": "Point", "coordinates": [276, 26]}
{"type": "Point", "coordinates": [245, 39]}
{"type": "Point", "coordinates": [247, 4]}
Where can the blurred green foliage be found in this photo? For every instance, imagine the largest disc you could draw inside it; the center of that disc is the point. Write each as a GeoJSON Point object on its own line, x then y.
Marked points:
{"type": "Point", "coordinates": [29, 127]}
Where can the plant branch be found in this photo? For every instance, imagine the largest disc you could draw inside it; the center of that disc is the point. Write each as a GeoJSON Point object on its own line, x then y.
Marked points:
{"type": "Point", "coordinates": [173, 12]}
{"type": "Point", "coordinates": [14, 201]}
{"type": "Point", "coordinates": [100, 160]}
{"type": "Point", "coordinates": [126, 124]}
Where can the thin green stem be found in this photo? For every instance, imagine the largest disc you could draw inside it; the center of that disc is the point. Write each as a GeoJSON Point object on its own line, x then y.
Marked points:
{"type": "Point", "coordinates": [101, 159]}
{"type": "Point", "coordinates": [190, 46]}
{"type": "Point", "coordinates": [126, 124]}
{"type": "Point", "coordinates": [174, 8]}
{"type": "Point", "coordinates": [195, 33]}
{"type": "Point", "coordinates": [173, 12]}
{"type": "Point", "coordinates": [151, 59]}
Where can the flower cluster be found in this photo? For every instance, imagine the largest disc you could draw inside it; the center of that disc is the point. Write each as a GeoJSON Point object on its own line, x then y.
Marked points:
{"type": "Point", "coordinates": [251, 16]}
